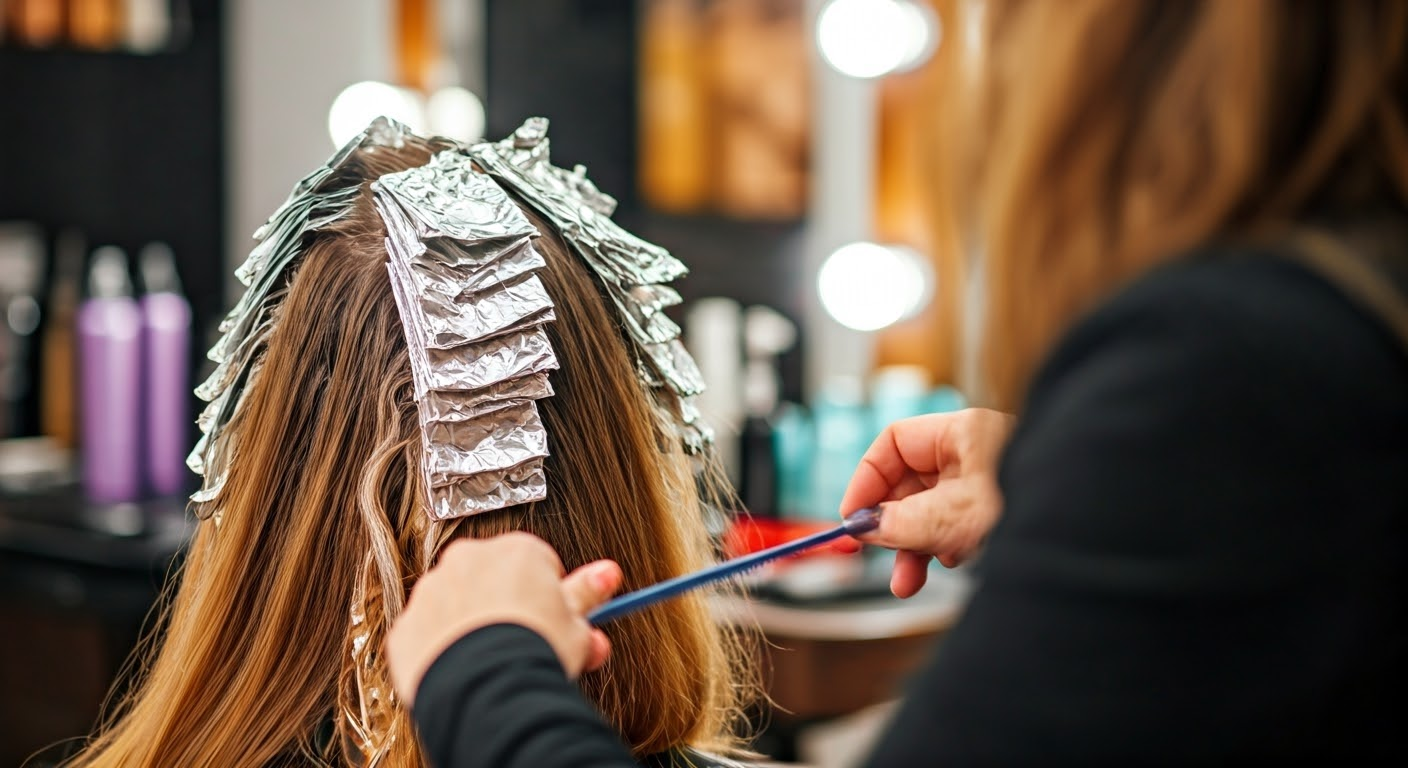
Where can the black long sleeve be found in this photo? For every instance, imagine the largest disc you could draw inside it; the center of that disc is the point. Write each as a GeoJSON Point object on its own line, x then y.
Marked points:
{"type": "Point", "coordinates": [1202, 556]}
{"type": "Point", "coordinates": [498, 698]}
{"type": "Point", "coordinates": [1202, 551]}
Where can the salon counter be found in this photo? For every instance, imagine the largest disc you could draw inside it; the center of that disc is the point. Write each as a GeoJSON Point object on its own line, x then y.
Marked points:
{"type": "Point", "coordinates": [824, 660]}
{"type": "Point", "coordinates": [77, 581]}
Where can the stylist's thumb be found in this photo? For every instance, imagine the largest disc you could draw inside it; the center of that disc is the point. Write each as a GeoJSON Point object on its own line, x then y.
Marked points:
{"type": "Point", "coordinates": [591, 585]}
{"type": "Point", "coordinates": [948, 521]}
{"type": "Point", "coordinates": [586, 588]}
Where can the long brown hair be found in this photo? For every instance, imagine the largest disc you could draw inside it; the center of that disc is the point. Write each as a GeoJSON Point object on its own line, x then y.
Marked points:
{"type": "Point", "coordinates": [271, 654]}
{"type": "Point", "coordinates": [1112, 135]}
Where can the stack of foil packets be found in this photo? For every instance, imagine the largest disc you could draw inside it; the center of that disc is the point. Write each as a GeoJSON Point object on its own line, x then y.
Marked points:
{"type": "Point", "coordinates": [462, 265]}
{"type": "Point", "coordinates": [634, 272]}
{"type": "Point", "coordinates": [319, 199]}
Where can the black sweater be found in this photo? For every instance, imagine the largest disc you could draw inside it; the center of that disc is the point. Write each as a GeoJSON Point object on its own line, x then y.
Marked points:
{"type": "Point", "coordinates": [1202, 556]}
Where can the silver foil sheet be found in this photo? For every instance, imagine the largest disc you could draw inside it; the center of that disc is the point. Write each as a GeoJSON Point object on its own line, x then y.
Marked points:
{"type": "Point", "coordinates": [490, 491]}
{"type": "Point", "coordinates": [491, 361]}
{"type": "Point", "coordinates": [451, 323]}
{"type": "Point", "coordinates": [497, 440]}
{"type": "Point", "coordinates": [512, 262]}
{"type": "Point", "coordinates": [449, 406]}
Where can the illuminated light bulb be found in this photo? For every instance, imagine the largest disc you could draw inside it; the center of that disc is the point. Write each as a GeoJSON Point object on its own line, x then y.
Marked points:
{"type": "Point", "coordinates": [873, 38]}
{"type": "Point", "coordinates": [920, 34]}
{"type": "Point", "coordinates": [456, 113]}
{"type": "Point", "coordinates": [866, 286]}
{"type": "Point", "coordinates": [360, 103]}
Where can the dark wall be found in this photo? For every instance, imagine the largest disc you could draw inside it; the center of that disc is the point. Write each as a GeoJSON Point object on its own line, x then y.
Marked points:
{"type": "Point", "coordinates": [575, 62]}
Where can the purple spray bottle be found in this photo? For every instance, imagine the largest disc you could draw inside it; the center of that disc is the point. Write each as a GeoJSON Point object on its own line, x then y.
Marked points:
{"type": "Point", "coordinates": [166, 339]}
{"type": "Point", "coordinates": [109, 370]}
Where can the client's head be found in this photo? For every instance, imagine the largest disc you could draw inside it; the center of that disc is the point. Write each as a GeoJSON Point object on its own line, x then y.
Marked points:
{"type": "Point", "coordinates": [271, 646]}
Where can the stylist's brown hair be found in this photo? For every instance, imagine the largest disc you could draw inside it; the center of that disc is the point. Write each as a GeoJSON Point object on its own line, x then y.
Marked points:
{"type": "Point", "coordinates": [1117, 134]}
{"type": "Point", "coordinates": [321, 530]}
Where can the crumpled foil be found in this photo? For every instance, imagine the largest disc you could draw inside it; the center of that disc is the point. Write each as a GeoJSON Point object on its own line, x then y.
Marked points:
{"type": "Point", "coordinates": [461, 262]}
{"type": "Point", "coordinates": [633, 271]}
{"type": "Point", "coordinates": [318, 200]}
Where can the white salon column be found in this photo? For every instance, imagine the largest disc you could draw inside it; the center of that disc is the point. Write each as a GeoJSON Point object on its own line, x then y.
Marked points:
{"type": "Point", "coordinates": [842, 183]}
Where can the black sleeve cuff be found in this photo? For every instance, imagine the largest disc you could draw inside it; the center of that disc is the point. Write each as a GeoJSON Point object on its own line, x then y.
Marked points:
{"type": "Point", "coordinates": [481, 650]}
{"type": "Point", "coordinates": [498, 697]}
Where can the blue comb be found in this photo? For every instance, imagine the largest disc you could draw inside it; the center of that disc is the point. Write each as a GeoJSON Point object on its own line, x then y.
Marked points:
{"type": "Point", "coordinates": [858, 522]}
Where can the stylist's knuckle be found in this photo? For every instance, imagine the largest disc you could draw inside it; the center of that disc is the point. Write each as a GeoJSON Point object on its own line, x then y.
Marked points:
{"type": "Point", "coordinates": [457, 555]}
{"type": "Point", "coordinates": [459, 548]}
{"type": "Point", "coordinates": [972, 420]}
{"type": "Point", "coordinates": [530, 546]}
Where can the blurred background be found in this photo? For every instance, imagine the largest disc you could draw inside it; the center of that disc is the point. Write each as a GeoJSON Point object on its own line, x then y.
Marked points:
{"type": "Point", "coordinates": [781, 148]}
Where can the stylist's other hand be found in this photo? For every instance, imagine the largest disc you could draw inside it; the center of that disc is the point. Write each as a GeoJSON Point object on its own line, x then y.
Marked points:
{"type": "Point", "coordinates": [938, 475]}
{"type": "Point", "coordinates": [515, 578]}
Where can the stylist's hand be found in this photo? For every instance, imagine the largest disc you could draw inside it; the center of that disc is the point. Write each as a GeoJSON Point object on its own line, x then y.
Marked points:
{"type": "Point", "coordinates": [515, 578]}
{"type": "Point", "coordinates": [939, 475]}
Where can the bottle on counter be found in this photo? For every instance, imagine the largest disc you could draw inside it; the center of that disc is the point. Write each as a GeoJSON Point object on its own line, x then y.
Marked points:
{"type": "Point", "coordinates": [766, 335]}
{"type": "Point", "coordinates": [95, 24]}
{"type": "Point", "coordinates": [58, 400]}
{"type": "Point", "coordinates": [713, 333]}
{"type": "Point", "coordinates": [34, 23]}
{"type": "Point", "coordinates": [147, 26]}
{"type": "Point", "coordinates": [166, 340]}
{"type": "Point", "coordinates": [841, 424]}
{"type": "Point", "coordinates": [898, 392]}
{"type": "Point", "coordinates": [109, 373]}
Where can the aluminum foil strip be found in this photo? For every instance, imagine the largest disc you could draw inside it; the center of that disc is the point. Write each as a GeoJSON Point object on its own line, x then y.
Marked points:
{"type": "Point", "coordinates": [676, 367]}
{"type": "Point", "coordinates": [644, 326]}
{"type": "Point", "coordinates": [490, 491]}
{"type": "Point", "coordinates": [452, 323]}
{"type": "Point", "coordinates": [695, 438]}
{"type": "Point", "coordinates": [210, 455]}
{"type": "Point", "coordinates": [412, 325]}
{"type": "Point", "coordinates": [651, 299]}
{"type": "Point", "coordinates": [518, 260]}
{"type": "Point", "coordinates": [447, 197]}
{"type": "Point", "coordinates": [680, 419]}
{"type": "Point", "coordinates": [462, 406]}
{"type": "Point", "coordinates": [503, 438]}
{"type": "Point", "coordinates": [694, 432]}
{"type": "Point", "coordinates": [492, 361]}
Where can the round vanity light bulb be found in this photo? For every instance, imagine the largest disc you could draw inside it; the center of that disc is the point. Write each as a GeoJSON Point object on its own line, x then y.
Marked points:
{"type": "Point", "coordinates": [873, 38]}
{"type": "Point", "coordinates": [455, 113]}
{"type": "Point", "coordinates": [919, 34]}
{"type": "Point", "coordinates": [866, 286]}
{"type": "Point", "coordinates": [361, 103]}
